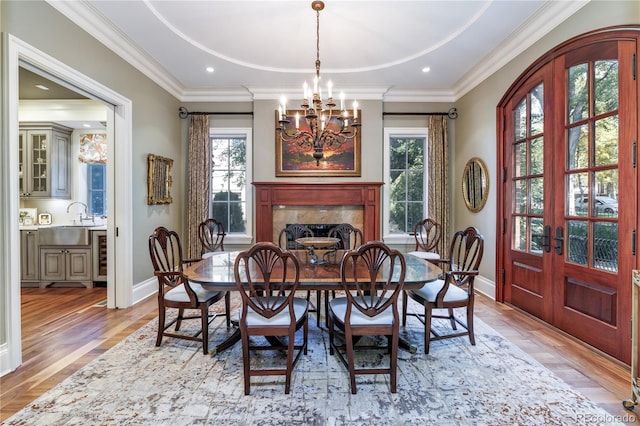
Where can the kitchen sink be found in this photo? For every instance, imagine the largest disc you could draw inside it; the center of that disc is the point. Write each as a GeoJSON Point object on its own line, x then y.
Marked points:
{"type": "Point", "coordinates": [64, 236]}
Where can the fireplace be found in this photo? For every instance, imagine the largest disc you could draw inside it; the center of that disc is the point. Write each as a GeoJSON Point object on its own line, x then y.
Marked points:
{"type": "Point", "coordinates": [278, 204]}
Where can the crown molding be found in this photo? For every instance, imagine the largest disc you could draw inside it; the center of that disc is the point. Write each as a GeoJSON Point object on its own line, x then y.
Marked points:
{"type": "Point", "coordinates": [550, 15]}
{"type": "Point", "coordinates": [89, 19]}
{"type": "Point", "coordinates": [419, 95]}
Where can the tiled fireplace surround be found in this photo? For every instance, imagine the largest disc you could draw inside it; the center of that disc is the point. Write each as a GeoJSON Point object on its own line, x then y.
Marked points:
{"type": "Point", "coordinates": [282, 203]}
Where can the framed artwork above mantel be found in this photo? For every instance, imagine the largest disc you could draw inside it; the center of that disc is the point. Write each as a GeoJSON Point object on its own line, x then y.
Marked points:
{"type": "Point", "coordinates": [297, 161]}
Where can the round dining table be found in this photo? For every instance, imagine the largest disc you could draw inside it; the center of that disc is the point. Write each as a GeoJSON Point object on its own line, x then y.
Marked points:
{"type": "Point", "coordinates": [216, 273]}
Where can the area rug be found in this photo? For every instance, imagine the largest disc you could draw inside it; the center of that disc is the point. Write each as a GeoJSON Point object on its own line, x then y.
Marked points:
{"type": "Point", "coordinates": [136, 383]}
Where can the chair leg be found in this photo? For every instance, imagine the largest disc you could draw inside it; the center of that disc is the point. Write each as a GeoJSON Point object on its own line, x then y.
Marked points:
{"type": "Point", "coordinates": [161, 319]}
{"type": "Point", "coordinates": [227, 307]}
{"type": "Point", "coordinates": [246, 360]}
{"type": "Point", "coordinates": [318, 298]}
{"type": "Point", "coordinates": [472, 337]}
{"type": "Point", "coordinates": [179, 320]}
{"type": "Point", "coordinates": [204, 316]}
{"type": "Point", "coordinates": [452, 319]}
{"type": "Point", "coordinates": [330, 327]}
{"type": "Point", "coordinates": [350, 359]}
{"type": "Point", "coordinates": [394, 341]}
{"type": "Point", "coordinates": [404, 308]}
{"type": "Point", "coordinates": [428, 312]}
{"type": "Point", "coordinates": [287, 377]}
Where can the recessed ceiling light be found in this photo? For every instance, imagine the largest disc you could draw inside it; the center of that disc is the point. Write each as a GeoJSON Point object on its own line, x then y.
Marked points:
{"type": "Point", "coordinates": [86, 125]}
{"type": "Point", "coordinates": [42, 87]}
{"type": "Point", "coordinates": [209, 69]}
{"type": "Point", "coordinates": [426, 69]}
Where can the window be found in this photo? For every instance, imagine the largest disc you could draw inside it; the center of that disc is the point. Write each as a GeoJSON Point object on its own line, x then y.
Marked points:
{"type": "Point", "coordinates": [230, 182]}
{"type": "Point", "coordinates": [97, 189]}
{"type": "Point", "coordinates": [405, 178]}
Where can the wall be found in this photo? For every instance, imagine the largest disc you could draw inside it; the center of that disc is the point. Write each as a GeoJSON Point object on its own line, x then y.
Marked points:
{"type": "Point", "coordinates": [476, 125]}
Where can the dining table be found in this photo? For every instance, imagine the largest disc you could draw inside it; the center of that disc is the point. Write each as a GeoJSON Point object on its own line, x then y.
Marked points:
{"type": "Point", "coordinates": [216, 273]}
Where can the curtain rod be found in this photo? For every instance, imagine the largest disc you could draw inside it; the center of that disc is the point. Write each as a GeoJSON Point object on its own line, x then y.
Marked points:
{"type": "Point", "coordinates": [452, 113]}
{"type": "Point", "coordinates": [184, 113]}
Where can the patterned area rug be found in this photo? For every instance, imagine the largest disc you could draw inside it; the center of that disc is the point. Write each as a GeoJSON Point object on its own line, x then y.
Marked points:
{"type": "Point", "coordinates": [135, 383]}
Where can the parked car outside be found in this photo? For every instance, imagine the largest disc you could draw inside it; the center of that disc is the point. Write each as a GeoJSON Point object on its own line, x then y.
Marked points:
{"type": "Point", "coordinates": [603, 205]}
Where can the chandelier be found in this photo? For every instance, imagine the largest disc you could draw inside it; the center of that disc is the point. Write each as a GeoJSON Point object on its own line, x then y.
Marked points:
{"type": "Point", "coordinates": [322, 127]}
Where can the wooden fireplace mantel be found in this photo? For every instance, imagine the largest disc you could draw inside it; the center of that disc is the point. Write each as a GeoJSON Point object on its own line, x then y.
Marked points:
{"type": "Point", "coordinates": [365, 194]}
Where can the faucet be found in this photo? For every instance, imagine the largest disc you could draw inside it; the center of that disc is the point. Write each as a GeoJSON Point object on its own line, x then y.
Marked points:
{"type": "Point", "coordinates": [86, 208]}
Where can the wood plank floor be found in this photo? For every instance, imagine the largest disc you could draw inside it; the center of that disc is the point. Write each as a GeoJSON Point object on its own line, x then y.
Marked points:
{"type": "Point", "coordinates": [64, 329]}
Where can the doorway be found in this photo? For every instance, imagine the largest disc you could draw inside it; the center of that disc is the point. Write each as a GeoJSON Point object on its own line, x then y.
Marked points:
{"type": "Point", "coordinates": [568, 200]}
{"type": "Point", "coordinates": [119, 120]}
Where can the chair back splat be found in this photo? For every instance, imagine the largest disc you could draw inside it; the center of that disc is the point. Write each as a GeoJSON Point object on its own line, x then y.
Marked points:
{"type": "Point", "coordinates": [267, 278]}
{"type": "Point", "coordinates": [372, 278]}
{"type": "Point", "coordinates": [211, 234]}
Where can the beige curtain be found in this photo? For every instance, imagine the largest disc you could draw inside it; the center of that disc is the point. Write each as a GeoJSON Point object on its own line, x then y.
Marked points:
{"type": "Point", "coordinates": [199, 191]}
{"type": "Point", "coordinates": [438, 202]}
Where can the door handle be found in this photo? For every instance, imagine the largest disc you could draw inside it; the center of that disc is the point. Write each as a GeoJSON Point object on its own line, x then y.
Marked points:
{"type": "Point", "coordinates": [546, 239]}
{"type": "Point", "coordinates": [559, 238]}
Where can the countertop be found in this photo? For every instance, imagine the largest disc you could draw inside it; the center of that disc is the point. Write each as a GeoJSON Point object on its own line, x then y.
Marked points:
{"type": "Point", "coordinates": [54, 225]}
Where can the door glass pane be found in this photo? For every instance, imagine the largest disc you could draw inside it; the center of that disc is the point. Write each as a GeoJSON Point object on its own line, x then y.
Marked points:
{"type": "Point", "coordinates": [536, 235]}
{"type": "Point", "coordinates": [537, 156]}
{"type": "Point", "coordinates": [520, 159]}
{"type": "Point", "coordinates": [537, 196]}
{"type": "Point", "coordinates": [519, 233]}
{"type": "Point", "coordinates": [577, 194]}
{"type": "Point", "coordinates": [576, 238]}
{"type": "Point", "coordinates": [606, 141]}
{"type": "Point", "coordinates": [578, 148]}
{"type": "Point", "coordinates": [605, 246]}
{"type": "Point", "coordinates": [520, 196]}
{"type": "Point", "coordinates": [520, 120]}
{"type": "Point", "coordinates": [537, 111]}
{"type": "Point", "coordinates": [606, 86]}
{"type": "Point", "coordinates": [577, 91]}
{"type": "Point", "coordinates": [604, 202]}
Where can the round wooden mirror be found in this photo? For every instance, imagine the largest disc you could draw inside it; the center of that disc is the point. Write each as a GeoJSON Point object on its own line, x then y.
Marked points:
{"type": "Point", "coordinates": [475, 184]}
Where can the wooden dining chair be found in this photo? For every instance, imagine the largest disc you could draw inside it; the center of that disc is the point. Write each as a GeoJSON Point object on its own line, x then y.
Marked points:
{"type": "Point", "coordinates": [454, 291]}
{"type": "Point", "coordinates": [211, 234]}
{"type": "Point", "coordinates": [267, 278]}
{"type": "Point", "coordinates": [427, 236]}
{"type": "Point", "coordinates": [176, 291]}
{"type": "Point", "coordinates": [350, 238]}
{"type": "Point", "coordinates": [372, 277]}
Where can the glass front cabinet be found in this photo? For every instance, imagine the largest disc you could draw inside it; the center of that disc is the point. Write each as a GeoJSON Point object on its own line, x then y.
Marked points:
{"type": "Point", "coordinates": [44, 160]}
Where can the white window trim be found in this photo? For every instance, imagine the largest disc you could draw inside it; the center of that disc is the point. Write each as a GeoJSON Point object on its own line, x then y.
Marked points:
{"type": "Point", "coordinates": [389, 132]}
{"type": "Point", "coordinates": [247, 237]}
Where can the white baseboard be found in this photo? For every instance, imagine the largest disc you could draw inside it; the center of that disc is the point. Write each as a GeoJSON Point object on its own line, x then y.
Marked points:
{"type": "Point", "coordinates": [485, 286]}
{"type": "Point", "coordinates": [144, 289]}
{"type": "Point", "coordinates": [5, 362]}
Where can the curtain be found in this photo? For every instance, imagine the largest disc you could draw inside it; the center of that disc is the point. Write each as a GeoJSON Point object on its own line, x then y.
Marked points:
{"type": "Point", "coordinates": [438, 202]}
{"type": "Point", "coordinates": [198, 191]}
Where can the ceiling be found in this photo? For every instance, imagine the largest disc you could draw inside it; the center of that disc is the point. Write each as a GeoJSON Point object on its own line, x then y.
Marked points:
{"type": "Point", "coordinates": [370, 50]}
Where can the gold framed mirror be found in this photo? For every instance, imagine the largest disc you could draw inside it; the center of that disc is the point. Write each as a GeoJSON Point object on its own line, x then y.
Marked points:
{"type": "Point", "coordinates": [475, 184]}
{"type": "Point", "coordinates": [159, 180]}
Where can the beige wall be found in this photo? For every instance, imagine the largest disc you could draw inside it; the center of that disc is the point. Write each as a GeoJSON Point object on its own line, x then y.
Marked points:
{"type": "Point", "coordinates": [476, 127]}
{"type": "Point", "coordinates": [156, 125]}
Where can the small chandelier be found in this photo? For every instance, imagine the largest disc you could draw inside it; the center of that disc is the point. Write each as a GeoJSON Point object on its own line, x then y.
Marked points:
{"type": "Point", "coordinates": [326, 127]}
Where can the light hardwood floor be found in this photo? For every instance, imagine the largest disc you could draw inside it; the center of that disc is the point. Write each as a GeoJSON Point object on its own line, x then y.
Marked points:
{"type": "Point", "coordinates": [64, 329]}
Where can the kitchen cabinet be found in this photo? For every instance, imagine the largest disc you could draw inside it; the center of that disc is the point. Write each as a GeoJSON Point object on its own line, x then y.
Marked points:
{"type": "Point", "coordinates": [66, 264]}
{"type": "Point", "coordinates": [99, 252]}
{"type": "Point", "coordinates": [29, 256]}
{"type": "Point", "coordinates": [44, 164]}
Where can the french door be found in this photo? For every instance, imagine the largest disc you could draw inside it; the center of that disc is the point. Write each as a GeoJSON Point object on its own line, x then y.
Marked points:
{"type": "Point", "coordinates": [568, 204]}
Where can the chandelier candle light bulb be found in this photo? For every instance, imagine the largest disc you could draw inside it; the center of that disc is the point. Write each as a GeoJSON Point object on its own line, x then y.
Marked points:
{"type": "Point", "coordinates": [325, 127]}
